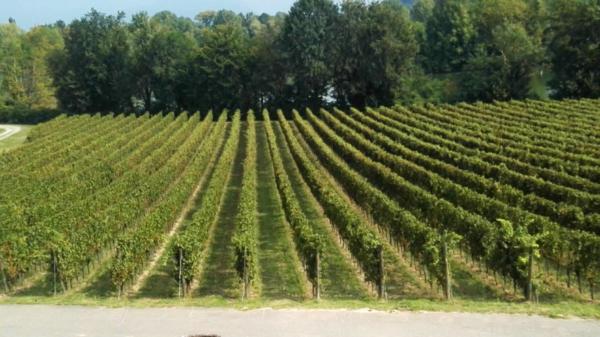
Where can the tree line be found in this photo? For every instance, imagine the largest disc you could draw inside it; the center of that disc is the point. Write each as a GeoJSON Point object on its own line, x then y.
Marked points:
{"type": "Point", "coordinates": [321, 53]}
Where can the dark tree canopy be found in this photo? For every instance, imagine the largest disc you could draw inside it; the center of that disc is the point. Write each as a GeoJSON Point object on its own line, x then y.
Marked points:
{"type": "Point", "coordinates": [355, 53]}
{"type": "Point", "coordinates": [575, 48]}
{"type": "Point", "coordinates": [93, 72]}
{"type": "Point", "coordinates": [307, 42]}
{"type": "Point", "coordinates": [380, 48]}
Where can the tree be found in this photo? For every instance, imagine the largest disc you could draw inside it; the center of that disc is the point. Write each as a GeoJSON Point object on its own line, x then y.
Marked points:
{"type": "Point", "coordinates": [574, 48]}
{"type": "Point", "coordinates": [12, 90]}
{"type": "Point", "coordinates": [39, 44]}
{"type": "Point", "coordinates": [375, 48]}
{"type": "Point", "coordinates": [421, 11]}
{"type": "Point", "coordinates": [218, 73]}
{"type": "Point", "coordinates": [24, 73]}
{"type": "Point", "coordinates": [160, 54]}
{"type": "Point", "coordinates": [175, 23]}
{"type": "Point", "coordinates": [504, 68]}
{"type": "Point", "coordinates": [268, 83]}
{"type": "Point", "coordinates": [208, 19]}
{"type": "Point", "coordinates": [306, 43]}
{"type": "Point", "coordinates": [93, 72]}
{"type": "Point", "coordinates": [450, 36]}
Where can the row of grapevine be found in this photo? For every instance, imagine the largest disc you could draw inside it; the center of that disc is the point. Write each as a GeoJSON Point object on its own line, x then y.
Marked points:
{"type": "Point", "coordinates": [39, 162]}
{"type": "Point", "coordinates": [583, 107]}
{"type": "Point", "coordinates": [27, 219]}
{"type": "Point", "coordinates": [527, 148]}
{"type": "Point", "coordinates": [85, 230]}
{"type": "Point", "coordinates": [477, 141]}
{"type": "Point", "coordinates": [43, 135]}
{"type": "Point", "coordinates": [51, 128]}
{"type": "Point", "coordinates": [182, 173]}
{"type": "Point", "coordinates": [65, 179]}
{"type": "Point", "coordinates": [362, 242]}
{"type": "Point", "coordinates": [427, 130]}
{"type": "Point", "coordinates": [189, 245]}
{"type": "Point", "coordinates": [568, 216]}
{"type": "Point", "coordinates": [424, 243]}
{"type": "Point", "coordinates": [589, 105]}
{"type": "Point", "coordinates": [308, 243]}
{"type": "Point", "coordinates": [480, 234]}
{"type": "Point", "coordinates": [64, 128]}
{"type": "Point", "coordinates": [537, 116]}
{"type": "Point", "coordinates": [66, 169]}
{"type": "Point", "coordinates": [542, 153]}
{"type": "Point", "coordinates": [45, 155]}
{"type": "Point", "coordinates": [245, 237]}
{"type": "Point", "coordinates": [589, 203]}
{"type": "Point", "coordinates": [555, 114]}
{"type": "Point", "coordinates": [538, 140]}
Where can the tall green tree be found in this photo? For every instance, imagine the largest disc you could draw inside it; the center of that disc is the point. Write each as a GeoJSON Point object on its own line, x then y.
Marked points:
{"type": "Point", "coordinates": [268, 83]}
{"type": "Point", "coordinates": [40, 43]}
{"type": "Point", "coordinates": [207, 19]}
{"type": "Point", "coordinates": [574, 45]}
{"type": "Point", "coordinates": [509, 51]}
{"type": "Point", "coordinates": [450, 36]}
{"type": "Point", "coordinates": [93, 72]}
{"type": "Point", "coordinates": [375, 48]}
{"type": "Point", "coordinates": [24, 75]}
{"type": "Point", "coordinates": [160, 54]}
{"type": "Point", "coordinates": [12, 89]}
{"type": "Point", "coordinates": [422, 10]}
{"type": "Point", "coordinates": [218, 74]}
{"type": "Point", "coordinates": [504, 68]}
{"type": "Point", "coordinates": [306, 42]}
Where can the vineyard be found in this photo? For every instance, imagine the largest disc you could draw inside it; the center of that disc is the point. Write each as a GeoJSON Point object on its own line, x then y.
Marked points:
{"type": "Point", "coordinates": [469, 201]}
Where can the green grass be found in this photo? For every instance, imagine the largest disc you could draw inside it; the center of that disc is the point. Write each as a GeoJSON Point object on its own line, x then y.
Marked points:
{"type": "Point", "coordinates": [15, 140]}
{"type": "Point", "coordinates": [160, 284]}
{"type": "Point", "coordinates": [466, 286]}
{"type": "Point", "coordinates": [280, 271]}
{"type": "Point", "coordinates": [556, 310]}
{"type": "Point", "coordinates": [219, 276]}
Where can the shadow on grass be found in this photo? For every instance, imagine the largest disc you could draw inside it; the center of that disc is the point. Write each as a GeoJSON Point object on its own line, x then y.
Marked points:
{"type": "Point", "coordinates": [101, 287]}
{"type": "Point", "coordinates": [160, 284]}
{"type": "Point", "coordinates": [44, 286]}
{"type": "Point", "coordinates": [465, 285]}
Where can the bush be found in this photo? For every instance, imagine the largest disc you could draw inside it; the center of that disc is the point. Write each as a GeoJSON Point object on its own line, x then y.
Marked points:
{"type": "Point", "coordinates": [25, 115]}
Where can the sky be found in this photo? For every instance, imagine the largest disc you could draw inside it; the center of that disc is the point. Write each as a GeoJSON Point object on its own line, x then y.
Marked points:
{"type": "Point", "coordinates": [29, 13]}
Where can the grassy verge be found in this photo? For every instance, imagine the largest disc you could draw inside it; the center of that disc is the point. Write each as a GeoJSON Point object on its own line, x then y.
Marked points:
{"type": "Point", "coordinates": [555, 310]}
{"type": "Point", "coordinates": [15, 140]}
{"type": "Point", "coordinates": [279, 266]}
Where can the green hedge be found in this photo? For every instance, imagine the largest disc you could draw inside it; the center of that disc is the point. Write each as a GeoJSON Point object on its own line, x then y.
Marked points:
{"type": "Point", "coordinates": [24, 115]}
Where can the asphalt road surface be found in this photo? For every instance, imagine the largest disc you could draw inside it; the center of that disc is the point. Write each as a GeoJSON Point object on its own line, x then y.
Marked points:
{"type": "Point", "coordinates": [68, 321]}
{"type": "Point", "coordinates": [8, 130]}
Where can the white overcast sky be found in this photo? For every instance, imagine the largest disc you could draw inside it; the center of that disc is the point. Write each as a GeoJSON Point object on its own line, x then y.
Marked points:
{"type": "Point", "coordinates": [29, 13]}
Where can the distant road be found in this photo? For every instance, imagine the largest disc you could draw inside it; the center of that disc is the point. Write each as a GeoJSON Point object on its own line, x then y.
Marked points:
{"type": "Point", "coordinates": [64, 321]}
{"type": "Point", "coordinates": [8, 130]}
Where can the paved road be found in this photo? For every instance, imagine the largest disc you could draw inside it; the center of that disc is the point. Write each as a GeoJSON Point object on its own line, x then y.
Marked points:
{"type": "Point", "coordinates": [62, 321]}
{"type": "Point", "coordinates": [8, 130]}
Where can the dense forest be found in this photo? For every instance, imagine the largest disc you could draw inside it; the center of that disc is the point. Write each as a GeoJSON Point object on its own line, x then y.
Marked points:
{"type": "Point", "coordinates": [321, 53]}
